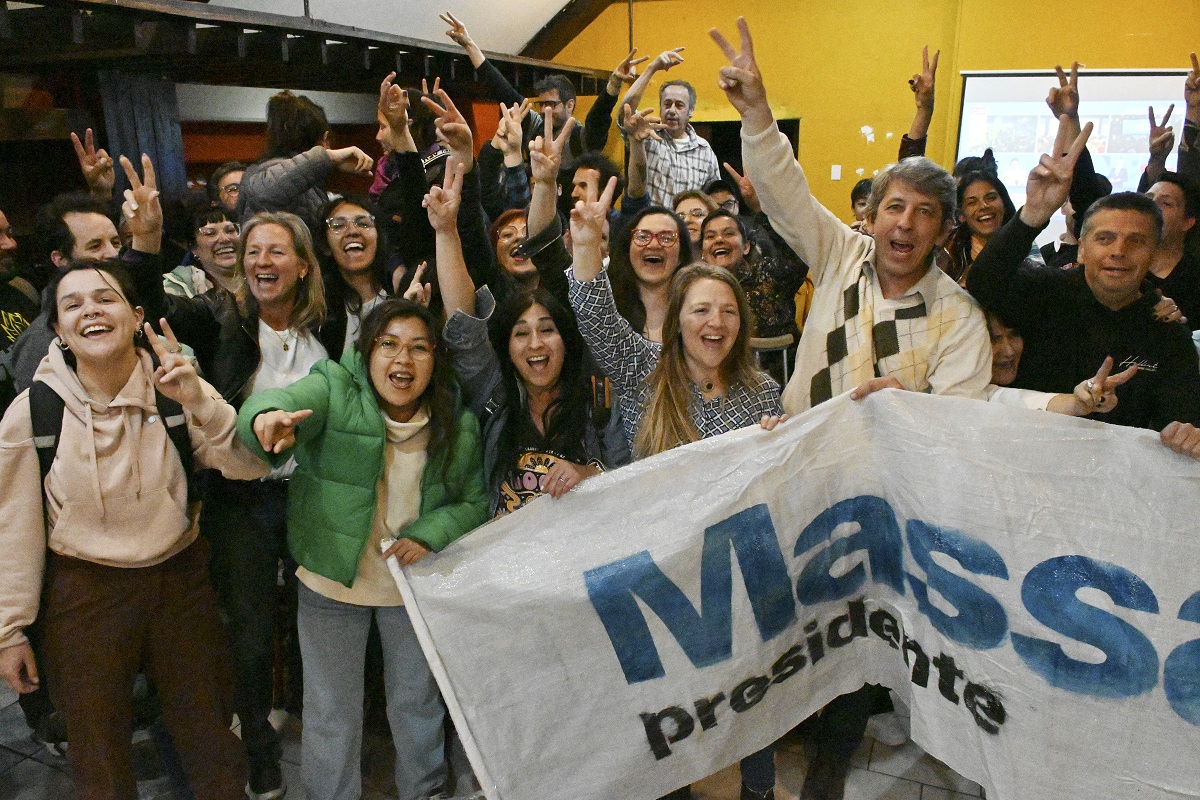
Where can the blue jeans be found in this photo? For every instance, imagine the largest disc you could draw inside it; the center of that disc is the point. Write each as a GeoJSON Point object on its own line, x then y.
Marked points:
{"type": "Point", "coordinates": [333, 643]}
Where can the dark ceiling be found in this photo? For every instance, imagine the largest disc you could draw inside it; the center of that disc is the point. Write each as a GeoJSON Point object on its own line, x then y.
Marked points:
{"type": "Point", "coordinates": [189, 42]}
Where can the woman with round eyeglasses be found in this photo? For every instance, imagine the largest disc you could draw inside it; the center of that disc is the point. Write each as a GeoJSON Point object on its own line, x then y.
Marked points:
{"type": "Point", "coordinates": [693, 206]}
{"type": "Point", "coordinates": [644, 256]}
{"type": "Point", "coordinates": [389, 466]}
{"type": "Point", "coordinates": [354, 262]}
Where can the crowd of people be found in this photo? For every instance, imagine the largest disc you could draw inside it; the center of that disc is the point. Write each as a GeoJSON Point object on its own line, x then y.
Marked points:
{"type": "Point", "coordinates": [320, 384]}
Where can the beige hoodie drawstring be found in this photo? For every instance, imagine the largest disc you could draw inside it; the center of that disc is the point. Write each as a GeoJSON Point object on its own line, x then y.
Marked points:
{"type": "Point", "coordinates": [95, 462]}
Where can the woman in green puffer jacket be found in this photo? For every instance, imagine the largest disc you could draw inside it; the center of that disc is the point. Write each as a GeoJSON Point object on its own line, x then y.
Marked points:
{"type": "Point", "coordinates": [388, 464]}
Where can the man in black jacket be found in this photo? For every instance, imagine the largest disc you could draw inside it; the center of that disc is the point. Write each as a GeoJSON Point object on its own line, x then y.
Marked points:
{"type": "Point", "coordinates": [1071, 320]}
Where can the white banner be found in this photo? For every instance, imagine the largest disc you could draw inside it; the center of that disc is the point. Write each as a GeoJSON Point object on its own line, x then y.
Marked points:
{"type": "Point", "coordinates": [1025, 581]}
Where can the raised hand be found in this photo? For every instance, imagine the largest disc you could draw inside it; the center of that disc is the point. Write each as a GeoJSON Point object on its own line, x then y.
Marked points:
{"type": "Point", "coordinates": [1050, 181]}
{"type": "Point", "coordinates": [441, 204]}
{"type": "Point", "coordinates": [1064, 98]}
{"type": "Point", "coordinates": [1098, 395]}
{"type": "Point", "coordinates": [745, 187]}
{"type": "Point", "coordinates": [458, 32]}
{"type": "Point", "coordinates": [666, 59]}
{"type": "Point", "coordinates": [352, 160]}
{"type": "Point", "coordinates": [276, 430]}
{"type": "Point", "coordinates": [392, 113]}
{"type": "Point", "coordinates": [1162, 136]}
{"type": "Point", "coordinates": [452, 128]}
{"type": "Point", "coordinates": [590, 214]}
{"type": "Point", "coordinates": [142, 207]}
{"type": "Point", "coordinates": [626, 72]}
{"type": "Point", "coordinates": [419, 292]}
{"type": "Point", "coordinates": [1191, 92]}
{"type": "Point", "coordinates": [545, 152]}
{"type": "Point", "coordinates": [922, 83]}
{"type": "Point", "coordinates": [742, 82]}
{"type": "Point", "coordinates": [640, 125]}
{"type": "Point", "coordinates": [96, 166]}
{"type": "Point", "coordinates": [176, 374]}
{"type": "Point", "coordinates": [509, 133]}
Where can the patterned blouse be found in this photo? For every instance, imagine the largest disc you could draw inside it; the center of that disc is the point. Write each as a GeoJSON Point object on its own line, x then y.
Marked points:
{"type": "Point", "coordinates": [628, 359]}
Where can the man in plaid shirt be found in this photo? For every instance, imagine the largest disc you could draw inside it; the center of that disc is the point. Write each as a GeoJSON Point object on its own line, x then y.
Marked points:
{"type": "Point", "coordinates": [680, 160]}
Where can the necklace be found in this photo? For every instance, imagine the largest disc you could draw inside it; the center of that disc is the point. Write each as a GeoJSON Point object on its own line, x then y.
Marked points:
{"type": "Point", "coordinates": [284, 337]}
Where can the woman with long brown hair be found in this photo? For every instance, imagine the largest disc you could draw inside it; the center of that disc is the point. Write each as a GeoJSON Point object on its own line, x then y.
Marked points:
{"type": "Point", "coordinates": [700, 382]}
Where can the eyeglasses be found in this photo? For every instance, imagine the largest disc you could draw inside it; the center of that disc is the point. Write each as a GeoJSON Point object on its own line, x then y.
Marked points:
{"type": "Point", "coordinates": [229, 228]}
{"type": "Point", "coordinates": [389, 347]}
{"type": "Point", "coordinates": [643, 238]}
{"type": "Point", "coordinates": [548, 103]}
{"type": "Point", "coordinates": [230, 188]}
{"type": "Point", "coordinates": [363, 221]}
{"type": "Point", "coordinates": [730, 205]}
{"type": "Point", "coordinates": [698, 213]}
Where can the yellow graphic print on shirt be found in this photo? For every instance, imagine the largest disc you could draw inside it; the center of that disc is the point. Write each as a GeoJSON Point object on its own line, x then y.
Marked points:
{"type": "Point", "coordinates": [12, 323]}
{"type": "Point", "coordinates": [526, 481]}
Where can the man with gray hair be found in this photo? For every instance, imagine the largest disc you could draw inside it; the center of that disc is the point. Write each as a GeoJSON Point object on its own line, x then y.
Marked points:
{"type": "Point", "coordinates": [882, 314]}
{"type": "Point", "coordinates": [882, 311]}
{"type": "Point", "coordinates": [680, 160]}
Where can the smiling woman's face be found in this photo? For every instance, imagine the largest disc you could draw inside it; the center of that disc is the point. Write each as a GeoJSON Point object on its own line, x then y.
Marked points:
{"type": "Point", "coordinates": [655, 263]}
{"type": "Point", "coordinates": [352, 237]}
{"type": "Point", "coordinates": [94, 319]}
{"type": "Point", "coordinates": [982, 209]}
{"type": "Point", "coordinates": [272, 267]}
{"type": "Point", "coordinates": [723, 243]}
{"type": "Point", "coordinates": [510, 238]}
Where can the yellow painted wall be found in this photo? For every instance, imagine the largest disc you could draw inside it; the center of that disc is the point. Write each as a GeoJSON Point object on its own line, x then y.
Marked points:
{"type": "Point", "coordinates": [842, 66]}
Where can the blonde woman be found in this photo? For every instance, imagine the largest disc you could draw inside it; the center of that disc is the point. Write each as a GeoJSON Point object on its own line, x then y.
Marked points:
{"type": "Point", "coordinates": [263, 335]}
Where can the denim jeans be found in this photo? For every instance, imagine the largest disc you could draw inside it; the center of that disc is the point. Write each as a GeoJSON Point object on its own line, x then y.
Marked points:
{"type": "Point", "coordinates": [333, 640]}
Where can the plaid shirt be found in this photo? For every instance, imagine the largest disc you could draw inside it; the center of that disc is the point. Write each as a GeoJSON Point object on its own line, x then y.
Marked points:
{"type": "Point", "coordinates": [678, 165]}
{"type": "Point", "coordinates": [628, 359]}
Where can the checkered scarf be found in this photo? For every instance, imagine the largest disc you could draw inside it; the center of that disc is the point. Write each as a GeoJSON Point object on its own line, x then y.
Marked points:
{"type": "Point", "coordinates": [860, 346]}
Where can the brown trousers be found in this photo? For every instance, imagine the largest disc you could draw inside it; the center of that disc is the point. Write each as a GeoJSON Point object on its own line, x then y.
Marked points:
{"type": "Point", "coordinates": [104, 623]}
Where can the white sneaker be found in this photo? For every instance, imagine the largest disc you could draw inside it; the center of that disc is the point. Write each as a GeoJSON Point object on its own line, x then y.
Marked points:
{"type": "Point", "coordinates": [890, 729]}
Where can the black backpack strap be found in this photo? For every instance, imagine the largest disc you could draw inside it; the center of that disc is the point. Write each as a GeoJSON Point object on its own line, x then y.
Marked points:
{"type": "Point", "coordinates": [46, 412]}
{"type": "Point", "coordinates": [172, 416]}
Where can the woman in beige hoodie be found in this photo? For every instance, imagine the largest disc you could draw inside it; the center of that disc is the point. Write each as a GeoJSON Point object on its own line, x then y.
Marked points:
{"type": "Point", "coordinates": [105, 554]}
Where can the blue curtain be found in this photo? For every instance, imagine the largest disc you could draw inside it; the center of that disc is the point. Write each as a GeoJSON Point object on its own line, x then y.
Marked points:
{"type": "Point", "coordinates": [141, 116]}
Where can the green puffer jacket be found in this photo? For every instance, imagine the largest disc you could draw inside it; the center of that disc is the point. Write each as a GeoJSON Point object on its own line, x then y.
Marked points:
{"type": "Point", "coordinates": [339, 460]}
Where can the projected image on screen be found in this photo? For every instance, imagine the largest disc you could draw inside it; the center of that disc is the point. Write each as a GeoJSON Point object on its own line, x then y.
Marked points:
{"type": "Point", "coordinates": [1007, 112]}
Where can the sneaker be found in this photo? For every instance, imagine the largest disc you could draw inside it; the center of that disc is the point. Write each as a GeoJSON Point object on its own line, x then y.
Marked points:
{"type": "Point", "coordinates": [51, 733]}
{"type": "Point", "coordinates": [890, 729]}
{"type": "Point", "coordinates": [266, 783]}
